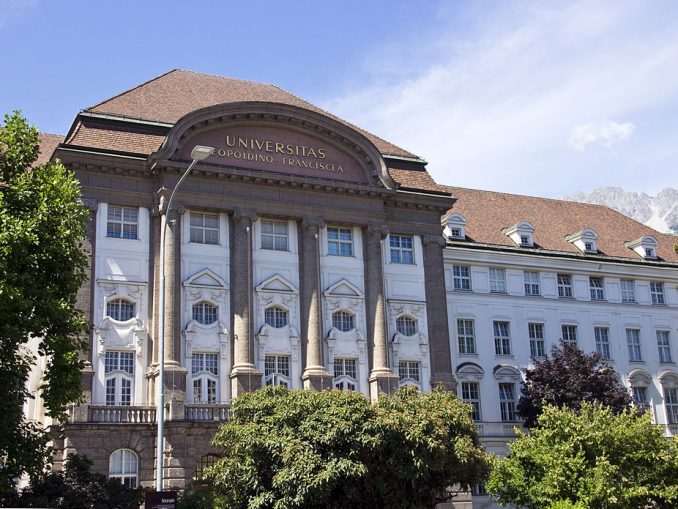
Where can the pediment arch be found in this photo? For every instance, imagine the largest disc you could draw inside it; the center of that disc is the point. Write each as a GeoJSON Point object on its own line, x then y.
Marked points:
{"type": "Point", "coordinates": [206, 278]}
{"type": "Point", "coordinates": [277, 284]}
{"type": "Point", "coordinates": [344, 288]}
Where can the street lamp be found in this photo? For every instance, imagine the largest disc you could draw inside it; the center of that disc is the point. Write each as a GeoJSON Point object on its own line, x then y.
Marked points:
{"type": "Point", "coordinates": [198, 154]}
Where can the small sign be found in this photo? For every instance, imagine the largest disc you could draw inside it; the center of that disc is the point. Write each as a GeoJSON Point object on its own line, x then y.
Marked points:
{"type": "Point", "coordinates": [161, 499]}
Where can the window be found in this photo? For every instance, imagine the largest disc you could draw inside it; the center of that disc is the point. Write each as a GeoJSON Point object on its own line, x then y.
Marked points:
{"type": "Point", "coordinates": [345, 378]}
{"type": "Point", "coordinates": [343, 321]}
{"type": "Point", "coordinates": [502, 338]}
{"type": "Point", "coordinates": [124, 466]}
{"type": "Point", "coordinates": [536, 332]}
{"type": "Point", "coordinates": [406, 325]}
{"type": "Point", "coordinates": [640, 397]}
{"type": "Point", "coordinates": [276, 316]}
{"type": "Point", "coordinates": [525, 240]}
{"type": "Point", "coordinates": [119, 376]}
{"type": "Point", "coordinates": [455, 233]}
{"type": "Point", "coordinates": [461, 277]}
{"type": "Point", "coordinates": [339, 241]}
{"type": "Point", "coordinates": [205, 371]}
{"type": "Point", "coordinates": [402, 248]}
{"type": "Point", "coordinates": [208, 460]}
{"type": "Point", "coordinates": [205, 313]}
{"type": "Point", "coordinates": [497, 280]}
{"type": "Point", "coordinates": [597, 289]}
{"type": "Point", "coordinates": [277, 370]}
{"type": "Point", "coordinates": [664, 345]}
{"type": "Point", "coordinates": [602, 335]}
{"type": "Point", "coordinates": [633, 342]}
{"type": "Point", "coordinates": [507, 402]}
{"type": "Point", "coordinates": [466, 336]}
{"type": "Point", "coordinates": [274, 235]}
{"type": "Point", "coordinates": [628, 290]}
{"type": "Point", "coordinates": [671, 404]}
{"type": "Point", "coordinates": [120, 310]}
{"type": "Point", "coordinates": [122, 222]}
{"type": "Point", "coordinates": [531, 283]}
{"type": "Point", "coordinates": [204, 228]}
{"type": "Point", "coordinates": [570, 334]}
{"type": "Point", "coordinates": [409, 372]}
{"type": "Point", "coordinates": [470, 393]}
{"type": "Point", "coordinates": [649, 252]}
{"type": "Point", "coordinates": [478, 490]}
{"type": "Point", "coordinates": [565, 286]}
{"type": "Point", "coordinates": [657, 292]}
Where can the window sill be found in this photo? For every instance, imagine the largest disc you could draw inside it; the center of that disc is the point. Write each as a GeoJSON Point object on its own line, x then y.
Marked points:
{"type": "Point", "coordinates": [659, 304]}
{"type": "Point", "coordinates": [667, 363]}
{"type": "Point", "coordinates": [475, 355]}
{"type": "Point", "coordinates": [463, 290]}
{"type": "Point", "coordinates": [504, 356]}
{"type": "Point", "coordinates": [533, 295]}
{"type": "Point", "coordinates": [563, 297]}
{"type": "Point", "coordinates": [637, 361]}
{"type": "Point", "coordinates": [497, 292]}
{"type": "Point", "coordinates": [121, 238]}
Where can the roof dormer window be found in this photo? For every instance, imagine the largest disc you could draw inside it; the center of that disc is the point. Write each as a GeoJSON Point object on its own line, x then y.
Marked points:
{"type": "Point", "coordinates": [645, 247]}
{"type": "Point", "coordinates": [585, 240]}
{"type": "Point", "coordinates": [454, 227]}
{"type": "Point", "coordinates": [522, 234]}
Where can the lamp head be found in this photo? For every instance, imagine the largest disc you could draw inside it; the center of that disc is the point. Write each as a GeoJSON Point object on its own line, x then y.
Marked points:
{"type": "Point", "coordinates": [200, 152]}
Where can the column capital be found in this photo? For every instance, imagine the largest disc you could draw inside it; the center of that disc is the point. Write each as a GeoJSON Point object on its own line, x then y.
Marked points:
{"type": "Point", "coordinates": [434, 239]}
{"type": "Point", "coordinates": [378, 230]}
{"type": "Point", "coordinates": [244, 217]}
{"type": "Point", "coordinates": [312, 224]}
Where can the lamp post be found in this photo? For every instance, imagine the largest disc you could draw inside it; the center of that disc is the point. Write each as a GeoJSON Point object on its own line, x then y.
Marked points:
{"type": "Point", "coordinates": [198, 154]}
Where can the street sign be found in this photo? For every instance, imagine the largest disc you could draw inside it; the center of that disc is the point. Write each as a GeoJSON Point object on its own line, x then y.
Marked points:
{"type": "Point", "coordinates": [161, 499]}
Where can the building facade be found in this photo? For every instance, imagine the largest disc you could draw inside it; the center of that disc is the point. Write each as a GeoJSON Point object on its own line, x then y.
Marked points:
{"type": "Point", "coordinates": [309, 253]}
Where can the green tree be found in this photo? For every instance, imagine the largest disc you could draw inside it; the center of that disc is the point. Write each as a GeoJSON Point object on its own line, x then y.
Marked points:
{"type": "Point", "coordinates": [593, 458]}
{"type": "Point", "coordinates": [41, 268]}
{"type": "Point", "coordinates": [332, 449]}
{"type": "Point", "coordinates": [567, 379]}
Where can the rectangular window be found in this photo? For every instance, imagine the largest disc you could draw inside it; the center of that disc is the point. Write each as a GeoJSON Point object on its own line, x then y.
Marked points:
{"type": "Point", "coordinates": [497, 280]}
{"type": "Point", "coordinates": [565, 286]}
{"type": "Point", "coordinates": [205, 362]}
{"type": "Point", "coordinates": [502, 338]}
{"type": "Point", "coordinates": [204, 228]}
{"type": "Point", "coordinates": [470, 393]}
{"type": "Point", "coordinates": [276, 367]}
{"type": "Point", "coordinates": [462, 277]}
{"type": "Point", "coordinates": [664, 345]}
{"type": "Point", "coordinates": [657, 292]}
{"type": "Point", "coordinates": [402, 249]}
{"type": "Point", "coordinates": [122, 222]}
{"type": "Point", "coordinates": [466, 336]}
{"type": "Point", "coordinates": [671, 404]}
{"type": "Point", "coordinates": [344, 367]}
{"type": "Point", "coordinates": [628, 290]}
{"type": "Point", "coordinates": [110, 391]}
{"type": "Point", "coordinates": [507, 402]}
{"type": "Point", "coordinates": [409, 370]}
{"type": "Point", "coordinates": [536, 332]}
{"type": "Point", "coordinates": [639, 395]}
{"type": "Point", "coordinates": [119, 361]}
{"type": "Point", "coordinates": [339, 241]}
{"type": "Point", "coordinates": [633, 342]}
{"type": "Point", "coordinates": [531, 283]}
{"type": "Point", "coordinates": [597, 288]}
{"type": "Point", "coordinates": [274, 235]}
{"type": "Point", "coordinates": [570, 334]}
{"type": "Point", "coordinates": [602, 335]}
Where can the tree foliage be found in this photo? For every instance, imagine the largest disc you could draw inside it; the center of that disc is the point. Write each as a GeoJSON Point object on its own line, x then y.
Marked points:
{"type": "Point", "coordinates": [567, 379]}
{"type": "Point", "coordinates": [592, 458]}
{"type": "Point", "coordinates": [41, 269]}
{"type": "Point", "coordinates": [77, 488]}
{"type": "Point", "coordinates": [332, 449]}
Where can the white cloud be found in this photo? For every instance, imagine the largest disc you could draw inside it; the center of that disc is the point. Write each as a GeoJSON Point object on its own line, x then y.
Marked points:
{"type": "Point", "coordinates": [607, 133]}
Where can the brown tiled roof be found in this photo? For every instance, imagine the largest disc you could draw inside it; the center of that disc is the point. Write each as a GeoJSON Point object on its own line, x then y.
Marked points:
{"type": "Point", "coordinates": [488, 212]}
{"type": "Point", "coordinates": [415, 179]}
{"type": "Point", "coordinates": [48, 143]}
{"type": "Point", "coordinates": [136, 139]}
{"type": "Point", "coordinates": [170, 96]}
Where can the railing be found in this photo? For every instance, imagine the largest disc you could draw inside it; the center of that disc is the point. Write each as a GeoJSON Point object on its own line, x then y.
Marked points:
{"type": "Point", "coordinates": [207, 412]}
{"type": "Point", "coordinates": [121, 414]}
{"type": "Point", "coordinates": [497, 429]}
{"type": "Point", "coordinates": [671, 430]}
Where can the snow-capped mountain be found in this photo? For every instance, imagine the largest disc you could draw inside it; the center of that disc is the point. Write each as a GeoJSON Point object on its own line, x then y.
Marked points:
{"type": "Point", "coordinates": [659, 212]}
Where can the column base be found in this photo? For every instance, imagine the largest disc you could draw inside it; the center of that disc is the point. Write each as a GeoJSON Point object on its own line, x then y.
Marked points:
{"type": "Point", "coordinates": [317, 378]}
{"type": "Point", "coordinates": [245, 378]}
{"type": "Point", "coordinates": [382, 384]}
{"type": "Point", "coordinates": [445, 381]}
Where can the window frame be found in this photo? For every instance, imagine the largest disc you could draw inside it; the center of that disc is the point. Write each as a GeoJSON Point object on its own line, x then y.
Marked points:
{"type": "Point", "coordinates": [124, 476]}
{"type": "Point", "coordinates": [507, 406]}
{"type": "Point", "coordinates": [671, 404]}
{"type": "Point", "coordinates": [628, 295]}
{"type": "Point", "coordinates": [200, 311]}
{"type": "Point", "coordinates": [657, 293]}
{"type": "Point", "coordinates": [502, 342]}
{"type": "Point", "coordinates": [279, 241]}
{"type": "Point", "coordinates": [117, 314]}
{"type": "Point", "coordinates": [535, 331]}
{"type": "Point", "coordinates": [470, 393]}
{"type": "Point", "coordinates": [407, 323]}
{"type": "Point", "coordinates": [664, 346]}
{"type": "Point", "coordinates": [345, 379]}
{"type": "Point", "coordinates": [565, 287]}
{"type": "Point", "coordinates": [497, 284]}
{"type": "Point", "coordinates": [466, 338]}
{"type": "Point", "coordinates": [335, 242]}
{"type": "Point", "coordinates": [277, 369]}
{"type": "Point", "coordinates": [532, 287]}
{"type": "Point", "coordinates": [602, 339]}
{"type": "Point", "coordinates": [132, 222]}
{"type": "Point", "coordinates": [401, 254]}
{"type": "Point", "coordinates": [634, 345]}
{"type": "Point", "coordinates": [198, 233]}
{"type": "Point", "coordinates": [461, 278]}
{"type": "Point", "coordinates": [276, 316]}
{"type": "Point", "coordinates": [205, 377]}
{"type": "Point", "coordinates": [342, 318]}
{"type": "Point", "coordinates": [119, 381]}
{"type": "Point", "coordinates": [407, 368]}
{"type": "Point", "coordinates": [597, 288]}
{"type": "Point", "coordinates": [569, 334]}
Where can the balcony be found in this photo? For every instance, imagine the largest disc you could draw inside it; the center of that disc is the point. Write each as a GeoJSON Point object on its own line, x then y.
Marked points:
{"type": "Point", "coordinates": [497, 429]}
{"type": "Point", "coordinates": [138, 414]}
{"type": "Point", "coordinates": [208, 412]}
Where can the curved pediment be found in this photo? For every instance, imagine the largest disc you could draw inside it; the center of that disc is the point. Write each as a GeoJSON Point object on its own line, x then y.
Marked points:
{"type": "Point", "coordinates": [279, 138]}
{"type": "Point", "coordinates": [206, 279]}
{"type": "Point", "coordinates": [344, 288]}
{"type": "Point", "coordinates": [277, 284]}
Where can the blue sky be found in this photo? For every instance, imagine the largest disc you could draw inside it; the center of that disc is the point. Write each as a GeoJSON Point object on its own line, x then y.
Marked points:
{"type": "Point", "coordinates": [542, 98]}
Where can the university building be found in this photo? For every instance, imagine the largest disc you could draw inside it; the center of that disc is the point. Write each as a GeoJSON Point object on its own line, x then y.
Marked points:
{"type": "Point", "coordinates": [307, 252]}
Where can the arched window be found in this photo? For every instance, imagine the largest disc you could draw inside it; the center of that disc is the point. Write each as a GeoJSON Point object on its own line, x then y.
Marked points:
{"type": "Point", "coordinates": [120, 309]}
{"type": "Point", "coordinates": [205, 313]}
{"type": "Point", "coordinates": [406, 325]}
{"type": "Point", "coordinates": [345, 372]}
{"type": "Point", "coordinates": [276, 316]}
{"type": "Point", "coordinates": [208, 460]}
{"type": "Point", "coordinates": [119, 375]}
{"type": "Point", "coordinates": [343, 321]}
{"type": "Point", "coordinates": [124, 466]}
{"type": "Point", "coordinates": [205, 373]}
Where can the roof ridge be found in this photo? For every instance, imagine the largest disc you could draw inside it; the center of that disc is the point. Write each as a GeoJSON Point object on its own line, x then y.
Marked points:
{"type": "Point", "coordinates": [211, 75]}
{"type": "Point", "coordinates": [130, 89]}
{"type": "Point", "coordinates": [52, 134]}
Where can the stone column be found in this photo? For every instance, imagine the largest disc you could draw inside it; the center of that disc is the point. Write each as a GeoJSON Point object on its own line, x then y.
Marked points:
{"type": "Point", "coordinates": [85, 298]}
{"type": "Point", "coordinates": [244, 376]}
{"type": "Point", "coordinates": [382, 380]}
{"type": "Point", "coordinates": [436, 313]}
{"type": "Point", "coordinates": [315, 375]}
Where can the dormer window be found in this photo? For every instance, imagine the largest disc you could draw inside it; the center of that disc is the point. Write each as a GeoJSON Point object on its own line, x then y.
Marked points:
{"type": "Point", "coordinates": [645, 247]}
{"type": "Point", "coordinates": [585, 240]}
{"type": "Point", "coordinates": [454, 227]}
{"type": "Point", "coordinates": [522, 234]}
